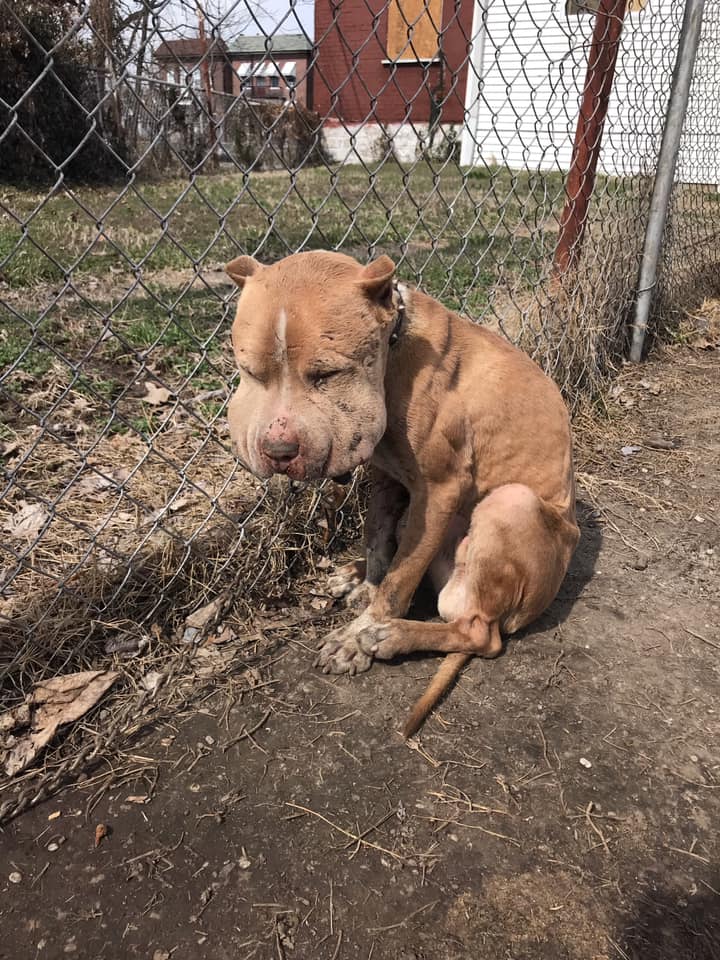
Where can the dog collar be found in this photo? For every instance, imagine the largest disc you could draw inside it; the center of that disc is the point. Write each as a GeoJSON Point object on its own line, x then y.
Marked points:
{"type": "Point", "coordinates": [400, 318]}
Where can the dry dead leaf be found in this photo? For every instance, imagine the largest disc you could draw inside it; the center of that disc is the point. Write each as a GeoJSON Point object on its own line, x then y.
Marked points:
{"type": "Point", "coordinates": [11, 446]}
{"type": "Point", "coordinates": [177, 504]}
{"type": "Point", "coordinates": [137, 798]}
{"type": "Point", "coordinates": [152, 680]}
{"type": "Point", "coordinates": [91, 483]}
{"type": "Point", "coordinates": [17, 717]}
{"type": "Point", "coordinates": [223, 636]}
{"type": "Point", "coordinates": [200, 619]}
{"type": "Point", "coordinates": [155, 394]}
{"type": "Point", "coordinates": [100, 831]}
{"type": "Point", "coordinates": [212, 660]}
{"type": "Point", "coordinates": [51, 704]}
{"type": "Point", "coordinates": [28, 520]}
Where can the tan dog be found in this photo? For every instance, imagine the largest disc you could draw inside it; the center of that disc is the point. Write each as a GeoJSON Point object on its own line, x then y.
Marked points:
{"type": "Point", "coordinates": [468, 443]}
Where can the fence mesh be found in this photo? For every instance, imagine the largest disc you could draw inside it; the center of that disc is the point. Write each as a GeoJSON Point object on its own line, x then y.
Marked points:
{"type": "Point", "coordinates": [143, 143]}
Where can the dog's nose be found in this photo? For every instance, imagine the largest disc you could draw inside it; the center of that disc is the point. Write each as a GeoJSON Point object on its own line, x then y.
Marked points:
{"type": "Point", "coordinates": [280, 451]}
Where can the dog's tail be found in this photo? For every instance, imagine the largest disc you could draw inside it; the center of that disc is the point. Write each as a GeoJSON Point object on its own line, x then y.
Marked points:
{"type": "Point", "coordinates": [448, 671]}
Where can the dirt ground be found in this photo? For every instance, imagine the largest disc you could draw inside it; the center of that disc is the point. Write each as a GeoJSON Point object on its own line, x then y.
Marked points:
{"type": "Point", "coordinates": [563, 802]}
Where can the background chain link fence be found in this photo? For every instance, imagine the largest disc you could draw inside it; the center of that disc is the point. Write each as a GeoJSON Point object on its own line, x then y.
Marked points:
{"type": "Point", "coordinates": [143, 143]}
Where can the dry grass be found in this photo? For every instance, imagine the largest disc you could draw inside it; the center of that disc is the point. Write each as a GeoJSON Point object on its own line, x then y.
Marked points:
{"type": "Point", "coordinates": [128, 556]}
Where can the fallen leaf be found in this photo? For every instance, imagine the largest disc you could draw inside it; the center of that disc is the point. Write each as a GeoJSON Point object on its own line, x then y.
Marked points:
{"type": "Point", "coordinates": [152, 680]}
{"type": "Point", "coordinates": [126, 643]}
{"type": "Point", "coordinates": [81, 403]}
{"type": "Point", "coordinates": [155, 395]}
{"type": "Point", "coordinates": [211, 661]}
{"type": "Point", "coordinates": [199, 619]}
{"type": "Point", "coordinates": [27, 521]}
{"type": "Point", "coordinates": [101, 831]}
{"type": "Point", "coordinates": [92, 483]}
{"type": "Point", "coordinates": [161, 955]}
{"type": "Point", "coordinates": [10, 447]}
{"type": "Point", "coordinates": [224, 636]}
{"type": "Point", "coordinates": [177, 504]}
{"type": "Point", "coordinates": [630, 450]}
{"type": "Point", "coordinates": [17, 717]}
{"type": "Point", "coordinates": [653, 388]}
{"type": "Point", "coordinates": [51, 704]}
{"type": "Point", "coordinates": [660, 443]}
{"type": "Point", "coordinates": [54, 816]}
{"type": "Point", "coordinates": [137, 799]}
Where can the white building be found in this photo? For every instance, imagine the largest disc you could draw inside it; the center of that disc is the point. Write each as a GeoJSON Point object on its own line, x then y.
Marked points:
{"type": "Point", "coordinates": [528, 65]}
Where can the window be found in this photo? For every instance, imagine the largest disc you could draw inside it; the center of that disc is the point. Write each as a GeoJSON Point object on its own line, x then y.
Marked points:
{"type": "Point", "coordinates": [275, 82]}
{"type": "Point", "coordinates": [413, 29]}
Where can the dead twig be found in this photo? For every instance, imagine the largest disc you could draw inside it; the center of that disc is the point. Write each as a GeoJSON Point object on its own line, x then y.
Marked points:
{"type": "Point", "coordinates": [336, 951]}
{"type": "Point", "coordinates": [594, 827]}
{"type": "Point", "coordinates": [402, 923]}
{"type": "Point", "coordinates": [699, 636]}
{"type": "Point", "coordinates": [245, 733]}
{"type": "Point", "coordinates": [347, 833]}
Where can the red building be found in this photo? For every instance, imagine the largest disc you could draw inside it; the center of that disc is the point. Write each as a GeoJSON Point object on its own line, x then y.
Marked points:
{"type": "Point", "coordinates": [179, 62]}
{"type": "Point", "coordinates": [273, 67]}
{"type": "Point", "coordinates": [261, 67]}
{"type": "Point", "coordinates": [389, 72]}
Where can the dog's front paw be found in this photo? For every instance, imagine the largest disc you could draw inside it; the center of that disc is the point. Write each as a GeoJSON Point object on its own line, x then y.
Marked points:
{"type": "Point", "coordinates": [348, 583]}
{"type": "Point", "coordinates": [346, 579]}
{"type": "Point", "coordinates": [349, 649]}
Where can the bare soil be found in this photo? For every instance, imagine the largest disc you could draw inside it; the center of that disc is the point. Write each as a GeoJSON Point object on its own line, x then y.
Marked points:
{"type": "Point", "coordinates": [562, 804]}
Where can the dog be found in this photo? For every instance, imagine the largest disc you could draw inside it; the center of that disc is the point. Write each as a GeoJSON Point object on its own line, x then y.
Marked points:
{"type": "Point", "coordinates": [467, 441]}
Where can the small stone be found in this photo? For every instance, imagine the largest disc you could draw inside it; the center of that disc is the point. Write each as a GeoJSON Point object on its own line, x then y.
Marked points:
{"type": "Point", "coordinates": [694, 757]}
{"type": "Point", "coordinates": [15, 877]}
{"type": "Point", "coordinates": [584, 762]}
{"type": "Point", "coordinates": [209, 741]}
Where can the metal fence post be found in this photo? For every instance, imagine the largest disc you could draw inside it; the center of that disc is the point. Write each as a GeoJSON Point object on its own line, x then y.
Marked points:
{"type": "Point", "coordinates": [675, 116]}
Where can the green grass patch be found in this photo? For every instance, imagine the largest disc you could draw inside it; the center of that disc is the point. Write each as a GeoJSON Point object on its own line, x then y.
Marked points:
{"type": "Point", "coordinates": [175, 224]}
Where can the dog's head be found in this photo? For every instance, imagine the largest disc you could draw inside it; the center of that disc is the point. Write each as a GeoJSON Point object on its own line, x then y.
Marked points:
{"type": "Point", "coordinates": [310, 337]}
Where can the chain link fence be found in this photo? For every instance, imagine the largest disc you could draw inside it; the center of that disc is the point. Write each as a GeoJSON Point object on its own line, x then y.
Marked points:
{"type": "Point", "coordinates": [143, 143]}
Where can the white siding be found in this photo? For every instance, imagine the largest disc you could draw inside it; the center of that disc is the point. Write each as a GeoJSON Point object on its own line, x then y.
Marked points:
{"type": "Point", "coordinates": [531, 65]}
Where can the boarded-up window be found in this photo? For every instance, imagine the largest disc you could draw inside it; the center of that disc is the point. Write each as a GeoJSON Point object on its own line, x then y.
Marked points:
{"type": "Point", "coordinates": [413, 29]}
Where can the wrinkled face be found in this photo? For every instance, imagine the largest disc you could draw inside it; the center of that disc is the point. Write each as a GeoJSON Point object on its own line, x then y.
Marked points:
{"type": "Point", "coordinates": [310, 338]}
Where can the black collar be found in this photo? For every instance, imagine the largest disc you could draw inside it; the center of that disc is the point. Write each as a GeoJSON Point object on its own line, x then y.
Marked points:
{"type": "Point", "coordinates": [400, 318]}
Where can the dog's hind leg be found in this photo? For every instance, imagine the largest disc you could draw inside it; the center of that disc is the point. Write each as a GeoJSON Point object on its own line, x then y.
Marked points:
{"type": "Point", "coordinates": [507, 570]}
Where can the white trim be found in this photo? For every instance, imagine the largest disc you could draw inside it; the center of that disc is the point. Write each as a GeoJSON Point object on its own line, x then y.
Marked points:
{"type": "Point", "coordinates": [412, 63]}
{"type": "Point", "coordinates": [472, 94]}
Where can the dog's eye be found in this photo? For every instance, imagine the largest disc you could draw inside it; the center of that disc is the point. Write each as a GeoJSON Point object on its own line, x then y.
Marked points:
{"type": "Point", "coordinates": [320, 377]}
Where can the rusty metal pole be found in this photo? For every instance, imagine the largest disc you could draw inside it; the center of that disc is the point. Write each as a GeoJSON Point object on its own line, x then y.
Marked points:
{"type": "Point", "coordinates": [588, 136]}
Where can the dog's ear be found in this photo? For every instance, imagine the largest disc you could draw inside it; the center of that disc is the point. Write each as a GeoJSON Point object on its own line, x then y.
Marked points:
{"type": "Point", "coordinates": [376, 278]}
{"type": "Point", "coordinates": [241, 268]}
